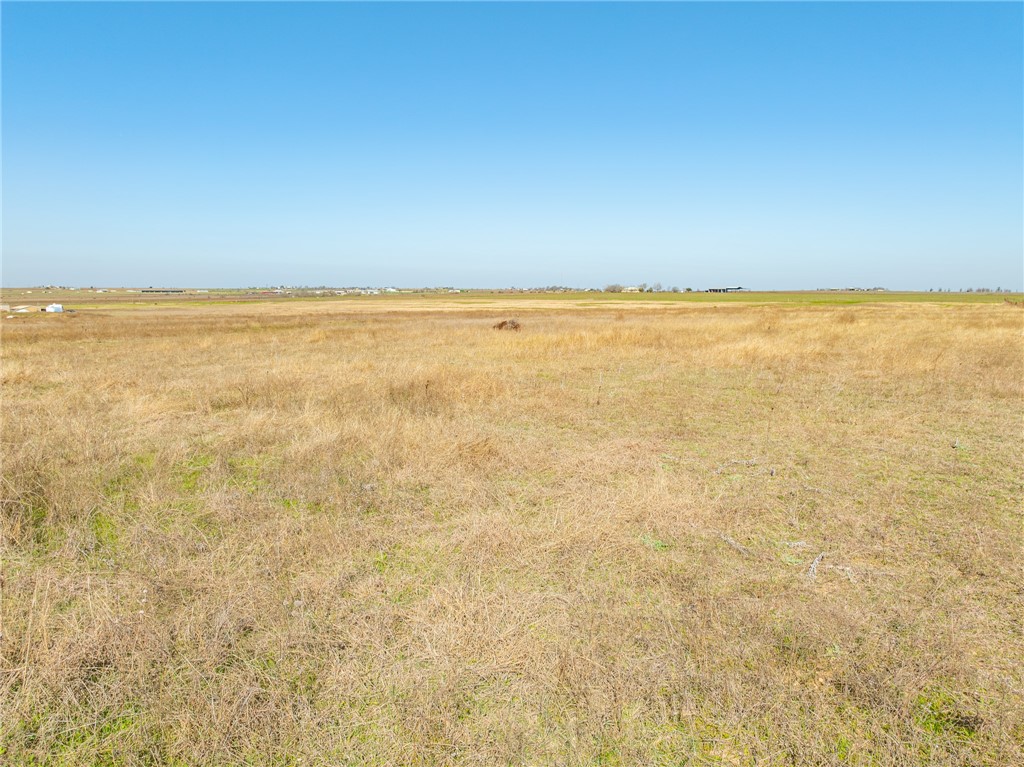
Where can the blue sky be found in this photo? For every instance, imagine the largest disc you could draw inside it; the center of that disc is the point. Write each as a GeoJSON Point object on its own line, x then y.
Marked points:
{"type": "Point", "coordinates": [774, 146]}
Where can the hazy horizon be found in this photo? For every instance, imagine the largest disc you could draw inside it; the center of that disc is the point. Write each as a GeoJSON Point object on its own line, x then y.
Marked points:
{"type": "Point", "coordinates": [775, 146]}
{"type": "Point", "coordinates": [665, 288]}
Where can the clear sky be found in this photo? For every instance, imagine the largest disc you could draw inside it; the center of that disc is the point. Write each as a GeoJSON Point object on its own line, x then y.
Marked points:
{"type": "Point", "coordinates": [767, 145]}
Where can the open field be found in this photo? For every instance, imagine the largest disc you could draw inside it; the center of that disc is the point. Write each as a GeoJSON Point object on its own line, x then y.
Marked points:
{"type": "Point", "coordinates": [122, 299]}
{"type": "Point", "coordinates": [378, 532]}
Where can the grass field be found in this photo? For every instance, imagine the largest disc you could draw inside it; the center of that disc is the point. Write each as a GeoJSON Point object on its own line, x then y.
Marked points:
{"type": "Point", "coordinates": [380, 532]}
{"type": "Point", "coordinates": [78, 299]}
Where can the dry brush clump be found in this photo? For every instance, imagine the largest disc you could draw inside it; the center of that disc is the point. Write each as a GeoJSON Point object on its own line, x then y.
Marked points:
{"type": "Point", "coordinates": [703, 534]}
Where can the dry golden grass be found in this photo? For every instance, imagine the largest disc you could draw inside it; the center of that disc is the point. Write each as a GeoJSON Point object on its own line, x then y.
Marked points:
{"type": "Point", "coordinates": [325, 534]}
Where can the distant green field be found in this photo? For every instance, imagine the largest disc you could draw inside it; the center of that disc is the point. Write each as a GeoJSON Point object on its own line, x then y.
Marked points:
{"type": "Point", "coordinates": [772, 297]}
{"type": "Point", "coordinates": [122, 300]}
{"type": "Point", "coordinates": [746, 297]}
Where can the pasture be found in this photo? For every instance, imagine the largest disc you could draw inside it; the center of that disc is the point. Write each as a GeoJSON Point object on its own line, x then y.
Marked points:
{"type": "Point", "coordinates": [672, 532]}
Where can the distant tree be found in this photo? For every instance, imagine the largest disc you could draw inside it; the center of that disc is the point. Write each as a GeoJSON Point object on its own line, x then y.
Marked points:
{"type": "Point", "coordinates": [643, 287]}
{"type": "Point", "coordinates": [689, 290]}
{"type": "Point", "coordinates": [656, 287]}
{"type": "Point", "coordinates": [613, 289]}
{"type": "Point", "coordinates": [674, 288]}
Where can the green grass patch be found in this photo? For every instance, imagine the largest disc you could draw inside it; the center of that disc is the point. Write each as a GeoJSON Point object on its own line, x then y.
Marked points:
{"type": "Point", "coordinates": [104, 530]}
{"type": "Point", "coordinates": [936, 712]}
{"type": "Point", "coordinates": [193, 470]}
{"type": "Point", "coordinates": [654, 544]}
{"type": "Point", "coordinates": [246, 473]}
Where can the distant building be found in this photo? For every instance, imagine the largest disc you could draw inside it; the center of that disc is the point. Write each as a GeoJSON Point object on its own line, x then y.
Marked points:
{"type": "Point", "coordinates": [724, 290]}
{"type": "Point", "coordinates": [55, 308]}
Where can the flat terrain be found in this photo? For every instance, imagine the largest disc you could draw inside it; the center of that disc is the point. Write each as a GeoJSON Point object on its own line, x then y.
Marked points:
{"type": "Point", "coordinates": [373, 530]}
{"type": "Point", "coordinates": [132, 298]}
